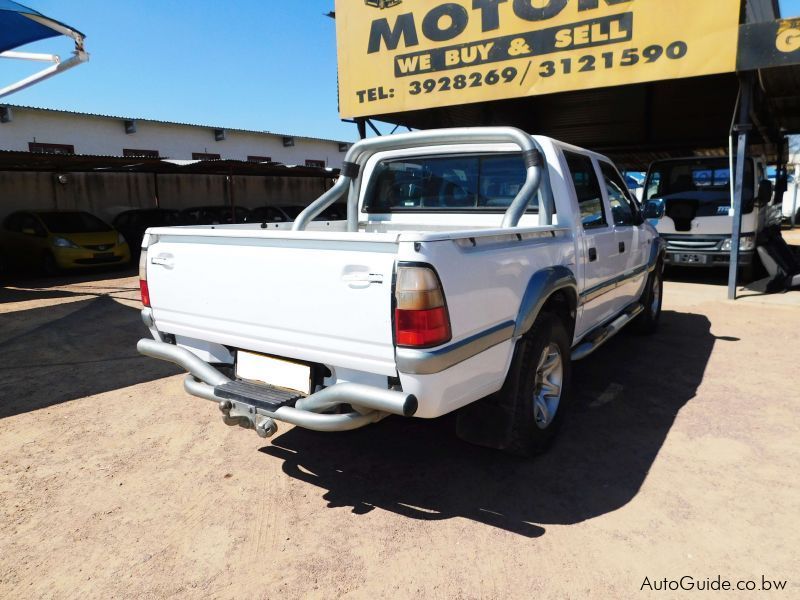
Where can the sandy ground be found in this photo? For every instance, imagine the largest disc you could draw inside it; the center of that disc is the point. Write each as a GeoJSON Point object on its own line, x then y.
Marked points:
{"type": "Point", "coordinates": [680, 458]}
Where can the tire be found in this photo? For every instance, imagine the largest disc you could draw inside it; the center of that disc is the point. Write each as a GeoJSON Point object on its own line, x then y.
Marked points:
{"type": "Point", "coordinates": [647, 321]}
{"type": "Point", "coordinates": [49, 265]}
{"type": "Point", "coordinates": [538, 386]}
{"type": "Point", "coordinates": [748, 273]}
{"type": "Point", "coordinates": [754, 270]}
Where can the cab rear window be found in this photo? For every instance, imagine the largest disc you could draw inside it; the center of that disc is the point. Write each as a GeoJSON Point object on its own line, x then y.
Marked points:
{"type": "Point", "coordinates": [480, 183]}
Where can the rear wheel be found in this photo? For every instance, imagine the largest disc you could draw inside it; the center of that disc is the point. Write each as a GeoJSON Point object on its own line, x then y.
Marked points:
{"type": "Point", "coordinates": [49, 265]}
{"type": "Point", "coordinates": [539, 389]}
{"type": "Point", "coordinates": [523, 417]}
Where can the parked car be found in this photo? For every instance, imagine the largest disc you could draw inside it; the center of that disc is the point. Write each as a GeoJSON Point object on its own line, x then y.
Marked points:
{"type": "Point", "coordinates": [213, 215]}
{"type": "Point", "coordinates": [133, 223]}
{"type": "Point", "coordinates": [53, 240]}
{"type": "Point", "coordinates": [335, 212]}
{"type": "Point", "coordinates": [268, 214]}
{"type": "Point", "coordinates": [472, 279]}
{"type": "Point", "coordinates": [283, 214]}
{"type": "Point", "coordinates": [292, 210]}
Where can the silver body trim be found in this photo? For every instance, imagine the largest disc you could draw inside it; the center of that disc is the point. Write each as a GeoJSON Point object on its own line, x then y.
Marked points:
{"type": "Point", "coordinates": [607, 332]}
{"type": "Point", "coordinates": [427, 362]}
{"type": "Point", "coordinates": [541, 287]}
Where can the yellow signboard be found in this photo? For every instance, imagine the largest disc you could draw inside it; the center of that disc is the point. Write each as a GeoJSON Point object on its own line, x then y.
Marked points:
{"type": "Point", "coordinates": [400, 55]}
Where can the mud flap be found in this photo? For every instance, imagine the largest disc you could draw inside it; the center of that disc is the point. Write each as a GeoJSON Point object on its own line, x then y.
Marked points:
{"type": "Point", "coordinates": [487, 422]}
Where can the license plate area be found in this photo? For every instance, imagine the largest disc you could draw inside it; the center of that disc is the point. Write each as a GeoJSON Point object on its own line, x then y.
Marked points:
{"type": "Point", "coordinates": [278, 372]}
{"type": "Point", "coordinates": [690, 259]}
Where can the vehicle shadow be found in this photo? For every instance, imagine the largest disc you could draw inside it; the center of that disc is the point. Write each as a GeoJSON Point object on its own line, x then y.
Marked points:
{"type": "Point", "coordinates": [58, 353]}
{"type": "Point", "coordinates": [626, 397]}
{"type": "Point", "coordinates": [106, 282]}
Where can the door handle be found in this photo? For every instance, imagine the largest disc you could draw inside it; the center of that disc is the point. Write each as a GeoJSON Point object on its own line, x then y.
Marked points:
{"type": "Point", "coordinates": [592, 254]}
{"type": "Point", "coordinates": [362, 280]}
{"type": "Point", "coordinates": [621, 247]}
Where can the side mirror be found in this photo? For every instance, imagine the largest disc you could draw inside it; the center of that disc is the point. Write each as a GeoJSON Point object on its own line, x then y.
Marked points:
{"type": "Point", "coordinates": [29, 231]}
{"type": "Point", "coordinates": [764, 193]}
{"type": "Point", "coordinates": [653, 209]}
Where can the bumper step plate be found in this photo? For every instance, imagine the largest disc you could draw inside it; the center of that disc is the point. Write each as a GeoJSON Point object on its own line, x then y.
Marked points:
{"type": "Point", "coordinates": [262, 396]}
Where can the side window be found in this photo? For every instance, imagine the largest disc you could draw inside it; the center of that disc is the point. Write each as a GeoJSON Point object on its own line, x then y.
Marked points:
{"type": "Point", "coordinates": [14, 222]}
{"type": "Point", "coordinates": [30, 222]}
{"type": "Point", "coordinates": [623, 208]}
{"type": "Point", "coordinates": [587, 189]}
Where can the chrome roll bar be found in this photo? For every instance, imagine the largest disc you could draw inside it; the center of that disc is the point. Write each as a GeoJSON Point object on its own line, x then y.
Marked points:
{"type": "Point", "coordinates": [348, 183]}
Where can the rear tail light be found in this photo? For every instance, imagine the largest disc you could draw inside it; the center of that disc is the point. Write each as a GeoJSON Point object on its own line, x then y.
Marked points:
{"type": "Point", "coordinates": [420, 318]}
{"type": "Point", "coordinates": [143, 278]}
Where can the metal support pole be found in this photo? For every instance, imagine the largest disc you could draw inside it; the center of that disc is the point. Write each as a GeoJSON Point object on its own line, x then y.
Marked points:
{"type": "Point", "coordinates": [794, 195]}
{"type": "Point", "coordinates": [155, 189]}
{"type": "Point", "coordinates": [742, 129]}
{"type": "Point", "coordinates": [362, 128]}
{"type": "Point", "coordinates": [232, 196]}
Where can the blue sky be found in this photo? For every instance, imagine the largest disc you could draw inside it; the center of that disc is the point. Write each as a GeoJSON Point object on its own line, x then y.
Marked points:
{"type": "Point", "coordinates": [250, 64]}
{"type": "Point", "coordinates": [790, 8]}
{"type": "Point", "coordinates": [263, 65]}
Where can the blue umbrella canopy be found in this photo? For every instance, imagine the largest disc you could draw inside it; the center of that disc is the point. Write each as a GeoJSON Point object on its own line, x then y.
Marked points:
{"type": "Point", "coordinates": [20, 25]}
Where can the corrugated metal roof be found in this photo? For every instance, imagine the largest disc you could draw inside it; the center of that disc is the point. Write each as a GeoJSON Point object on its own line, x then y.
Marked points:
{"type": "Point", "coordinates": [182, 124]}
{"type": "Point", "coordinates": [30, 161]}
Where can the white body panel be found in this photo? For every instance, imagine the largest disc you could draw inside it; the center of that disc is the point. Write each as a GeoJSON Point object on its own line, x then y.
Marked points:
{"type": "Point", "coordinates": [722, 225]}
{"type": "Point", "coordinates": [276, 296]}
{"type": "Point", "coordinates": [325, 296]}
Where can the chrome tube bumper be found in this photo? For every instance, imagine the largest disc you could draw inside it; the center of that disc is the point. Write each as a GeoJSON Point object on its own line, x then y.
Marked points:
{"type": "Point", "coordinates": [370, 404]}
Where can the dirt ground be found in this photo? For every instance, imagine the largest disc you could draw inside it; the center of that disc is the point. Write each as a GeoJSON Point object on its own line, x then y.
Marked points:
{"type": "Point", "coordinates": [680, 458]}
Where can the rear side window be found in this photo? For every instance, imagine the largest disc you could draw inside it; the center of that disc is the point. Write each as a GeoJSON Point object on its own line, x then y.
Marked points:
{"type": "Point", "coordinates": [587, 189]}
{"type": "Point", "coordinates": [487, 183]}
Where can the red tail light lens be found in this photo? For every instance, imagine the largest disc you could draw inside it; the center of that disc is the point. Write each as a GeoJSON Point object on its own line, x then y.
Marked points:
{"type": "Point", "coordinates": [143, 278]}
{"type": "Point", "coordinates": [422, 327]}
{"type": "Point", "coordinates": [145, 292]}
{"type": "Point", "coordinates": [420, 319]}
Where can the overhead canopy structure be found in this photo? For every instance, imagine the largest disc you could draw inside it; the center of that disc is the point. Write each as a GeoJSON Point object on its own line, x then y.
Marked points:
{"type": "Point", "coordinates": [20, 25]}
{"type": "Point", "coordinates": [636, 80]}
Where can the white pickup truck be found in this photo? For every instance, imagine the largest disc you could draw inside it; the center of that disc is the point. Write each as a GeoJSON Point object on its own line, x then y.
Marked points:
{"type": "Point", "coordinates": [473, 266]}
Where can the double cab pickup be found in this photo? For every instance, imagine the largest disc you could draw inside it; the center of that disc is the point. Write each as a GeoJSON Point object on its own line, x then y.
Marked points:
{"type": "Point", "coordinates": [473, 267]}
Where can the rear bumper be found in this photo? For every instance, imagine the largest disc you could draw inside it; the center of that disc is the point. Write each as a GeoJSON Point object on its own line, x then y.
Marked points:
{"type": "Point", "coordinates": [81, 258]}
{"type": "Point", "coordinates": [369, 404]}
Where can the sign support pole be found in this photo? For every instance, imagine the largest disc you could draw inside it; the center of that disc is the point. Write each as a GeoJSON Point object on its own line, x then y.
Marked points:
{"type": "Point", "coordinates": [742, 129]}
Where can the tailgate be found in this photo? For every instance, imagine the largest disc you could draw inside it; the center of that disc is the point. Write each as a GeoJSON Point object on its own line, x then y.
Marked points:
{"type": "Point", "coordinates": [321, 301]}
